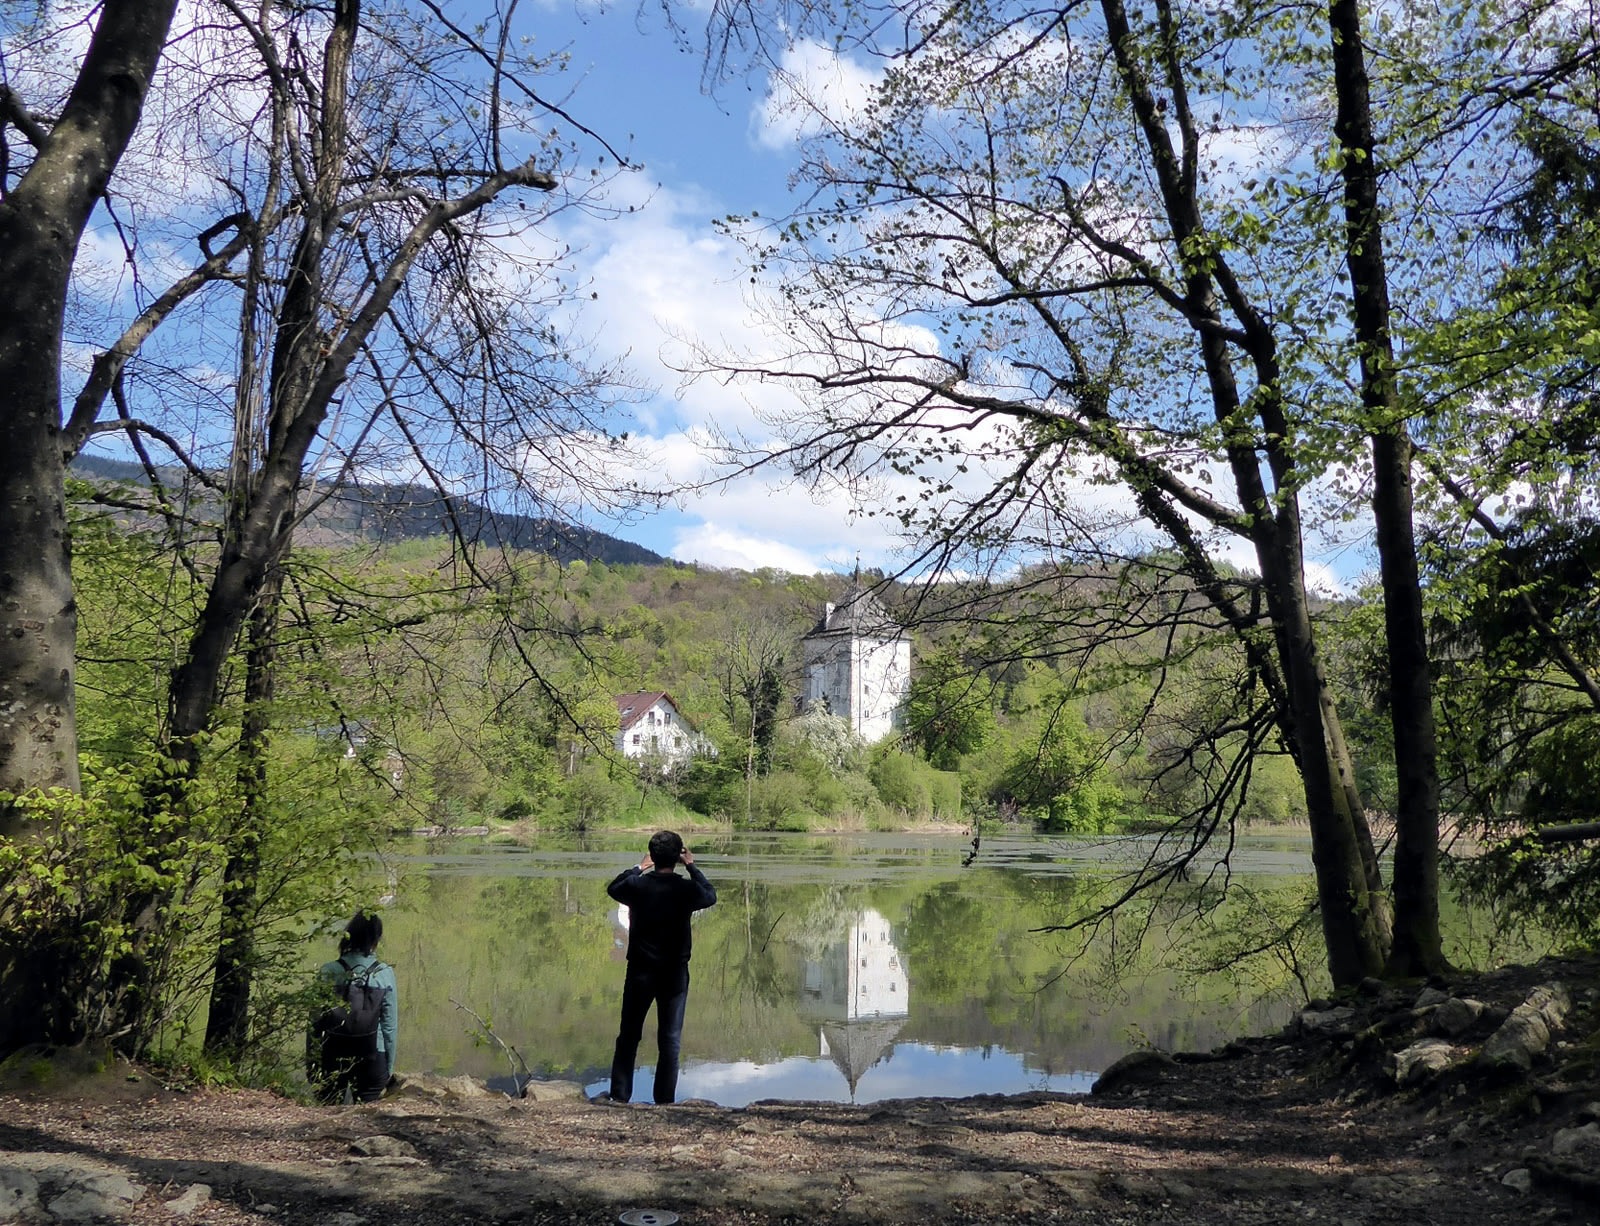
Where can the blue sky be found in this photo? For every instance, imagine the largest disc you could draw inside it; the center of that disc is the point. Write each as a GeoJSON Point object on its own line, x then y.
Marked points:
{"type": "Point", "coordinates": [665, 272]}
{"type": "Point", "coordinates": [660, 275]}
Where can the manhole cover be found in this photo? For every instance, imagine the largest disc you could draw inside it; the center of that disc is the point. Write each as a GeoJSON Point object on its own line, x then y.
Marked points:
{"type": "Point", "coordinates": [648, 1217]}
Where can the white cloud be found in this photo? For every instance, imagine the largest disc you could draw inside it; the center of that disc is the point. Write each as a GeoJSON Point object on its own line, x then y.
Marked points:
{"type": "Point", "coordinates": [812, 89]}
{"type": "Point", "coordinates": [716, 545]}
{"type": "Point", "coordinates": [1324, 580]}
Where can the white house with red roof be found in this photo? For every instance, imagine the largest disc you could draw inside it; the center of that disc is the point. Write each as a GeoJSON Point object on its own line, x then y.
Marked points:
{"type": "Point", "coordinates": [650, 727]}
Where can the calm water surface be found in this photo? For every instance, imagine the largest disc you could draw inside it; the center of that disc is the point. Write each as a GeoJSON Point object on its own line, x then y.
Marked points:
{"type": "Point", "coordinates": [845, 968]}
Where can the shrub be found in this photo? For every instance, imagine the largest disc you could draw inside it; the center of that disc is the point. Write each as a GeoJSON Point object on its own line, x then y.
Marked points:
{"type": "Point", "coordinates": [902, 783]}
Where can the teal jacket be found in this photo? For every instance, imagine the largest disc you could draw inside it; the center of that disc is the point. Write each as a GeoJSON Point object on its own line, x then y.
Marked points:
{"type": "Point", "coordinates": [333, 974]}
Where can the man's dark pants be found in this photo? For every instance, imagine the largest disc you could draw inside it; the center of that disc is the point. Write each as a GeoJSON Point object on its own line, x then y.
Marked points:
{"type": "Point", "coordinates": [668, 989]}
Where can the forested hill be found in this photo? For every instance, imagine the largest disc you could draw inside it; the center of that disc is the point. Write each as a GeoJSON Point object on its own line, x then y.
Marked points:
{"type": "Point", "coordinates": [389, 514]}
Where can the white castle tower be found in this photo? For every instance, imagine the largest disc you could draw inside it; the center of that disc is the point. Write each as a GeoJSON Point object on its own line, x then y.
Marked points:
{"type": "Point", "coordinates": [858, 664]}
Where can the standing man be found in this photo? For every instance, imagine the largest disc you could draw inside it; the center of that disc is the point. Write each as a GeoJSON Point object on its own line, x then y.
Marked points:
{"type": "Point", "coordinates": [659, 905]}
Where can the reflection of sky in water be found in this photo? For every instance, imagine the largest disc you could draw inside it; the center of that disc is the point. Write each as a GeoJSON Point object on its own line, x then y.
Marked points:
{"type": "Point", "coordinates": [911, 1070]}
{"type": "Point", "coordinates": [820, 946]}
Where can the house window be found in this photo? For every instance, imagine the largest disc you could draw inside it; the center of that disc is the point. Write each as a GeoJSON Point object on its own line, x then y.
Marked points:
{"type": "Point", "coordinates": [636, 738]}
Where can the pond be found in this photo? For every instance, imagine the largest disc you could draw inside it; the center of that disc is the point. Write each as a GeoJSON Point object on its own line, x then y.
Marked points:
{"type": "Point", "coordinates": [839, 968]}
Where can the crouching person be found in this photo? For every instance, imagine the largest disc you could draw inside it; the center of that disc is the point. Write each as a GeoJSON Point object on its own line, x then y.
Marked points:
{"type": "Point", "coordinates": [352, 1041]}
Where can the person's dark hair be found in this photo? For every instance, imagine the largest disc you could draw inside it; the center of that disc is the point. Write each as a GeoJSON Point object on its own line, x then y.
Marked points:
{"type": "Point", "coordinates": [362, 933]}
{"type": "Point", "coordinates": [665, 848]}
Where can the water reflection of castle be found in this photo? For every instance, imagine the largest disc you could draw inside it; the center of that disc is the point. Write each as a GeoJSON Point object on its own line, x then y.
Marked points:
{"type": "Point", "coordinates": [859, 995]}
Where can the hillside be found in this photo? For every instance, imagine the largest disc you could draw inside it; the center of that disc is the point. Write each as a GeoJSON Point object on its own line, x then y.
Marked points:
{"type": "Point", "coordinates": [390, 514]}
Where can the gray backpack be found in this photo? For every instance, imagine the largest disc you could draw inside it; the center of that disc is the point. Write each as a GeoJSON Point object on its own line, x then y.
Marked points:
{"type": "Point", "coordinates": [360, 1007]}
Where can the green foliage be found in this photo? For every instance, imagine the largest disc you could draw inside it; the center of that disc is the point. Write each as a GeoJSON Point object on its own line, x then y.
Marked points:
{"type": "Point", "coordinates": [65, 880]}
{"type": "Point", "coordinates": [593, 796]}
{"type": "Point", "coordinates": [950, 710]}
{"type": "Point", "coordinates": [711, 787]}
{"type": "Point", "coordinates": [902, 783]}
{"type": "Point", "coordinates": [1059, 781]}
{"type": "Point", "coordinates": [780, 801]}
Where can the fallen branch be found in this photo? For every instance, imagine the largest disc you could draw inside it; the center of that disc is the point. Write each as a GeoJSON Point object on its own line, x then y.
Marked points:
{"type": "Point", "coordinates": [513, 1056]}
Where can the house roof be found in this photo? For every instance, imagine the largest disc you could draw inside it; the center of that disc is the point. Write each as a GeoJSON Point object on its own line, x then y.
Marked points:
{"type": "Point", "coordinates": [858, 612]}
{"type": "Point", "coordinates": [632, 707]}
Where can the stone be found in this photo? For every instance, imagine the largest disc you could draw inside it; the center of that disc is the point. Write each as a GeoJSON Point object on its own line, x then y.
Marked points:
{"type": "Point", "coordinates": [1325, 1021]}
{"type": "Point", "coordinates": [465, 1087]}
{"type": "Point", "coordinates": [1375, 1187]}
{"type": "Point", "coordinates": [1430, 998]}
{"type": "Point", "coordinates": [551, 1091]}
{"type": "Point", "coordinates": [1144, 1066]}
{"type": "Point", "coordinates": [1422, 1061]}
{"type": "Point", "coordinates": [92, 1198]}
{"type": "Point", "coordinates": [19, 1194]}
{"type": "Point", "coordinates": [346, 1219]}
{"type": "Point", "coordinates": [1455, 1016]}
{"type": "Point", "coordinates": [1582, 1140]}
{"type": "Point", "coordinates": [1525, 1034]}
{"type": "Point", "coordinates": [190, 1200]}
{"type": "Point", "coordinates": [383, 1147]}
{"type": "Point", "coordinates": [1588, 1112]}
{"type": "Point", "coordinates": [1519, 1180]}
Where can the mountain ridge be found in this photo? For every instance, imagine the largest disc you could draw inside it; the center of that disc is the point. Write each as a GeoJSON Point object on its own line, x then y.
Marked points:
{"type": "Point", "coordinates": [387, 514]}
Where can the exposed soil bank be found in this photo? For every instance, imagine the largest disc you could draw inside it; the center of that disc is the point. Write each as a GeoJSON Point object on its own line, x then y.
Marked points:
{"type": "Point", "coordinates": [1391, 1106]}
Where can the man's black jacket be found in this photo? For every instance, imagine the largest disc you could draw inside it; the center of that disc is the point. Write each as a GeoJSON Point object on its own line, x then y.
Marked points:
{"type": "Point", "coordinates": [659, 906]}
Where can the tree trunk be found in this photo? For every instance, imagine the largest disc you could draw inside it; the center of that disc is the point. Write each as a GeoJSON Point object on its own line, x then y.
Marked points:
{"type": "Point", "coordinates": [1417, 947]}
{"type": "Point", "coordinates": [228, 1021]}
{"type": "Point", "coordinates": [44, 976]}
{"type": "Point", "coordinates": [1351, 922]}
{"type": "Point", "coordinates": [1351, 928]}
{"type": "Point", "coordinates": [41, 221]}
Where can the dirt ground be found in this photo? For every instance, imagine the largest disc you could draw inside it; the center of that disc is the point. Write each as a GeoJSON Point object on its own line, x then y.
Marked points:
{"type": "Point", "coordinates": [1306, 1125]}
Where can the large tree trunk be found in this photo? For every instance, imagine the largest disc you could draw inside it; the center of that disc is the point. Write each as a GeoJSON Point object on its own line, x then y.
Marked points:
{"type": "Point", "coordinates": [1417, 947]}
{"type": "Point", "coordinates": [43, 975]}
{"type": "Point", "coordinates": [233, 970]}
{"type": "Point", "coordinates": [309, 365]}
{"type": "Point", "coordinates": [256, 536]}
{"type": "Point", "coordinates": [41, 222]}
{"type": "Point", "coordinates": [1351, 919]}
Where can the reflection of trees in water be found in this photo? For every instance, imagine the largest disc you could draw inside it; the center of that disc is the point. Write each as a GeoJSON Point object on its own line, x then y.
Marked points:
{"type": "Point", "coordinates": [532, 954]}
{"type": "Point", "coordinates": [743, 953]}
{"type": "Point", "coordinates": [825, 919]}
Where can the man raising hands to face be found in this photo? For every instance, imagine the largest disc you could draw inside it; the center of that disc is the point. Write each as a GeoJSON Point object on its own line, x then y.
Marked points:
{"type": "Point", "coordinates": [659, 903]}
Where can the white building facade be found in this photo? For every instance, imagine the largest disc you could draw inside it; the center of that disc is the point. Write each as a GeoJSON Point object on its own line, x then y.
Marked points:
{"type": "Point", "coordinates": [858, 665]}
{"type": "Point", "coordinates": [650, 726]}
